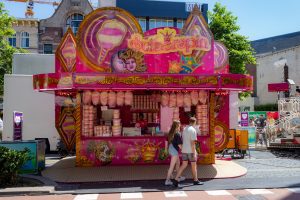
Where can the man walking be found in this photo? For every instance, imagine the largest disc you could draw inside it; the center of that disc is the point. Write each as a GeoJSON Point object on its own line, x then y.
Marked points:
{"type": "Point", "coordinates": [260, 129]}
{"type": "Point", "coordinates": [189, 153]}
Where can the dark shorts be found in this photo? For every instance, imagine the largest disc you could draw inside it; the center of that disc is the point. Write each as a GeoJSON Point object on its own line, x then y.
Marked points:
{"type": "Point", "coordinates": [189, 157]}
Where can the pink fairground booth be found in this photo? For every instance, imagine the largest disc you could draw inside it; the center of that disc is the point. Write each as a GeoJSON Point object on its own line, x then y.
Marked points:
{"type": "Point", "coordinates": [118, 89]}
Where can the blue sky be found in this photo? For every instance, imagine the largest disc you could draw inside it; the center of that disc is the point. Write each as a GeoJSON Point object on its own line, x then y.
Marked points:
{"type": "Point", "coordinates": [257, 18]}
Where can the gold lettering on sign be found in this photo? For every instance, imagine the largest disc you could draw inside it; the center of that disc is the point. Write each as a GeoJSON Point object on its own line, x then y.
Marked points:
{"type": "Point", "coordinates": [166, 41]}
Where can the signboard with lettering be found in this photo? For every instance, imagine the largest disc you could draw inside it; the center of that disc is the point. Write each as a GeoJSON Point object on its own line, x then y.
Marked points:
{"type": "Point", "coordinates": [244, 119]}
{"type": "Point", "coordinates": [18, 123]}
{"type": "Point", "coordinates": [190, 5]}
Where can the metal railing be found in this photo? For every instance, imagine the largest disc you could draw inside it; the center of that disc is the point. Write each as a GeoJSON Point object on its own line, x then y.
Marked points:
{"type": "Point", "coordinates": [289, 117]}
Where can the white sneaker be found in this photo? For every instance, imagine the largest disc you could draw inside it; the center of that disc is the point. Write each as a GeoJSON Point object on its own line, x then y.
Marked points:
{"type": "Point", "coordinates": [181, 178]}
{"type": "Point", "coordinates": [168, 182]}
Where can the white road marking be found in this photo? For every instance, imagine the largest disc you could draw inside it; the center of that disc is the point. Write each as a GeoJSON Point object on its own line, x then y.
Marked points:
{"type": "Point", "coordinates": [259, 191]}
{"type": "Point", "coordinates": [133, 195]}
{"type": "Point", "coordinates": [175, 194]}
{"type": "Point", "coordinates": [217, 192]}
{"type": "Point", "coordinates": [86, 197]}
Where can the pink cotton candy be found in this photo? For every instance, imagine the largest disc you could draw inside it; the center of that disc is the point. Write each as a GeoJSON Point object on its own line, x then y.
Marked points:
{"type": "Point", "coordinates": [103, 98]}
{"type": "Point", "coordinates": [187, 100]}
{"type": "Point", "coordinates": [179, 99]}
{"type": "Point", "coordinates": [120, 98]}
{"type": "Point", "coordinates": [112, 99]}
{"type": "Point", "coordinates": [203, 96]}
{"type": "Point", "coordinates": [87, 97]}
{"type": "Point", "coordinates": [128, 98]}
{"type": "Point", "coordinates": [172, 101]}
{"type": "Point", "coordinates": [165, 99]}
{"type": "Point", "coordinates": [194, 97]}
{"type": "Point", "coordinates": [95, 98]}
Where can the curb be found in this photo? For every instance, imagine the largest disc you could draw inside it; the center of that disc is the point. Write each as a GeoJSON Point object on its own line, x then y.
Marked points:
{"type": "Point", "coordinates": [47, 188]}
{"type": "Point", "coordinates": [46, 181]}
{"type": "Point", "coordinates": [44, 190]}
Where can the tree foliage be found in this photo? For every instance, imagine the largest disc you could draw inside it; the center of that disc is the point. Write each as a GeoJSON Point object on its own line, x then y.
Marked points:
{"type": "Point", "coordinates": [6, 51]}
{"type": "Point", "coordinates": [11, 162]}
{"type": "Point", "coordinates": [223, 25]}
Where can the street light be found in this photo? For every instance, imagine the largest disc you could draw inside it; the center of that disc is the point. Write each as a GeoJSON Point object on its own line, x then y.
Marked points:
{"type": "Point", "coordinates": [281, 63]}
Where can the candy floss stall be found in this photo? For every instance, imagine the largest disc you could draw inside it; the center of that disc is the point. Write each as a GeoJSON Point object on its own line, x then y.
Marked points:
{"type": "Point", "coordinates": [118, 89]}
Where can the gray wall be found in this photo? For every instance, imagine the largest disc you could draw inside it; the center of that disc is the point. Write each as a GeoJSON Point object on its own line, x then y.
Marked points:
{"type": "Point", "coordinates": [33, 64]}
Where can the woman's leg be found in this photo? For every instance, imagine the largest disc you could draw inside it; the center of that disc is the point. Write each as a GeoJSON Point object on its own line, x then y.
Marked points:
{"type": "Point", "coordinates": [177, 164]}
{"type": "Point", "coordinates": [172, 165]}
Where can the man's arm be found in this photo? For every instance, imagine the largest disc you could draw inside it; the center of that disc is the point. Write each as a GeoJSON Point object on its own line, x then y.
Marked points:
{"type": "Point", "coordinates": [193, 141]}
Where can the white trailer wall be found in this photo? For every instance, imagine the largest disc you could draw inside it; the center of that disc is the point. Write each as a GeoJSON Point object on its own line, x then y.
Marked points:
{"type": "Point", "coordinates": [37, 107]}
{"type": "Point", "coordinates": [38, 110]}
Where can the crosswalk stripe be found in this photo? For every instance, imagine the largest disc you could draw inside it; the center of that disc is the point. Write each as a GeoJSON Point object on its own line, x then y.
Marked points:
{"type": "Point", "coordinates": [217, 192]}
{"type": "Point", "coordinates": [259, 191]}
{"type": "Point", "coordinates": [133, 195]}
{"type": "Point", "coordinates": [294, 190]}
{"type": "Point", "coordinates": [175, 194]}
{"type": "Point", "coordinates": [86, 197]}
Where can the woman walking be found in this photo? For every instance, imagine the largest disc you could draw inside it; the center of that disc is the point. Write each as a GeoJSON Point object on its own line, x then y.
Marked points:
{"type": "Point", "coordinates": [174, 143]}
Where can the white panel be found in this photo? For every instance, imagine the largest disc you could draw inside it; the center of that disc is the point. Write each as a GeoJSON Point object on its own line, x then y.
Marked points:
{"type": "Point", "coordinates": [37, 107]}
{"type": "Point", "coordinates": [233, 110]}
{"type": "Point", "coordinates": [29, 64]}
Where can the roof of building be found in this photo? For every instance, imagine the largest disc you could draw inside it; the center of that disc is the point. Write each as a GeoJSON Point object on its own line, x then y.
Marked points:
{"type": "Point", "coordinates": [164, 9]}
{"type": "Point", "coordinates": [276, 43]}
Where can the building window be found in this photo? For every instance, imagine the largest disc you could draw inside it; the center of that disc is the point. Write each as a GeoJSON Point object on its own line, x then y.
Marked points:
{"type": "Point", "coordinates": [142, 22]}
{"type": "Point", "coordinates": [24, 40]}
{"type": "Point", "coordinates": [180, 23]}
{"type": "Point", "coordinates": [156, 23]}
{"type": "Point", "coordinates": [13, 40]}
{"type": "Point", "coordinates": [48, 48]}
{"type": "Point", "coordinates": [159, 23]}
{"type": "Point", "coordinates": [74, 21]}
{"type": "Point", "coordinates": [152, 23]}
{"type": "Point", "coordinates": [170, 23]}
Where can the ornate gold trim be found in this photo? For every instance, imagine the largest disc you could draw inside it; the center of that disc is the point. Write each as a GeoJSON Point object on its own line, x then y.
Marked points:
{"type": "Point", "coordinates": [226, 136]}
{"type": "Point", "coordinates": [212, 106]}
{"type": "Point", "coordinates": [78, 129]}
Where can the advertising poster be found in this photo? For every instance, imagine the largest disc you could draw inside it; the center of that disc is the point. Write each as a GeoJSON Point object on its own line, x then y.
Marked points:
{"type": "Point", "coordinates": [18, 123]}
{"type": "Point", "coordinates": [254, 115]}
{"type": "Point", "coordinates": [31, 165]}
{"type": "Point", "coordinates": [251, 134]}
{"type": "Point", "coordinates": [272, 117]}
{"type": "Point", "coordinates": [244, 119]}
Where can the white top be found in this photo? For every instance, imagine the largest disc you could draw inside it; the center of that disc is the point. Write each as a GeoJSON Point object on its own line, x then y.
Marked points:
{"type": "Point", "coordinates": [197, 127]}
{"type": "Point", "coordinates": [189, 134]}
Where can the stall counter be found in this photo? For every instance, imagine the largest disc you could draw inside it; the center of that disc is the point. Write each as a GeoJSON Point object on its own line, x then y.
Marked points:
{"type": "Point", "coordinates": [128, 150]}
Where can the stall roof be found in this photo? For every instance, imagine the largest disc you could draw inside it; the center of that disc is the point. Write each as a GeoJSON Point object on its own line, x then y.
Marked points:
{"type": "Point", "coordinates": [108, 81]}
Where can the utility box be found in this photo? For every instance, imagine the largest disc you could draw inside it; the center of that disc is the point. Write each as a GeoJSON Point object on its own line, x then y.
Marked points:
{"type": "Point", "coordinates": [37, 154]}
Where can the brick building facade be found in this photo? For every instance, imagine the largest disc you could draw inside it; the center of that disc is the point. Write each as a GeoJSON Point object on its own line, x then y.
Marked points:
{"type": "Point", "coordinates": [68, 14]}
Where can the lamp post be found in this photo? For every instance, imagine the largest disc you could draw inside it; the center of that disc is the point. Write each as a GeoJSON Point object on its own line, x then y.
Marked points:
{"type": "Point", "coordinates": [281, 63]}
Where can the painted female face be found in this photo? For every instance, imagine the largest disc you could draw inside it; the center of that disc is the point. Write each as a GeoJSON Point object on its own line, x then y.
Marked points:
{"type": "Point", "coordinates": [130, 64]}
{"type": "Point", "coordinates": [118, 65]}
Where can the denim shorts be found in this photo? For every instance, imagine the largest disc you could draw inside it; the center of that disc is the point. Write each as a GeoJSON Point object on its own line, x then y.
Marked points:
{"type": "Point", "coordinates": [172, 150]}
{"type": "Point", "coordinates": [189, 157]}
